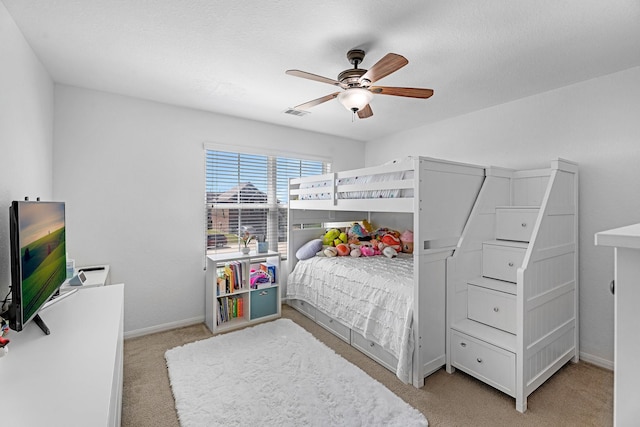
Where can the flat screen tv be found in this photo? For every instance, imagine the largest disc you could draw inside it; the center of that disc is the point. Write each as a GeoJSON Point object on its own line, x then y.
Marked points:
{"type": "Point", "coordinates": [38, 259]}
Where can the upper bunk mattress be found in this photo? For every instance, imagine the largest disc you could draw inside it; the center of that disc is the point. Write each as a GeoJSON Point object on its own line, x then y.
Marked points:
{"type": "Point", "coordinates": [371, 295]}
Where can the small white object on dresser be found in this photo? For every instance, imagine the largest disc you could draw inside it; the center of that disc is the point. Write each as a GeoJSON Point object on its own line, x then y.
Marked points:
{"type": "Point", "coordinates": [626, 374]}
{"type": "Point", "coordinates": [231, 301]}
{"type": "Point", "coordinates": [96, 275]}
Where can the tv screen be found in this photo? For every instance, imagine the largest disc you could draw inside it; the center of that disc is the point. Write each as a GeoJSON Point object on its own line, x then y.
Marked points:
{"type": "Point", "coordinates": [38, 258]}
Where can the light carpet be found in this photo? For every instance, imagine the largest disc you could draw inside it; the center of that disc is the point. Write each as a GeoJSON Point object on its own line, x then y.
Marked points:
{"type": "Point", "coordinates": [277, 374]}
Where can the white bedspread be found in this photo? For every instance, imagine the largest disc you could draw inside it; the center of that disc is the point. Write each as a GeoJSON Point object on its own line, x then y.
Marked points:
{"type": "Point", "coordinates": [371, 295]}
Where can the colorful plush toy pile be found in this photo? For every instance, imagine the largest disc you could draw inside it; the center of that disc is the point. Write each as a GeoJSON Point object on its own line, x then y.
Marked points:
{"type": "Point", "coordinates": [361, 240]}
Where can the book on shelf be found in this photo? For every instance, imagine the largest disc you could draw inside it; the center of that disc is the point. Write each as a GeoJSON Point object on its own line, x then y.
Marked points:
{"type": "Point", "coordinates": [270, 269]}
{"type": "Point", "coordinates": [229, 308]}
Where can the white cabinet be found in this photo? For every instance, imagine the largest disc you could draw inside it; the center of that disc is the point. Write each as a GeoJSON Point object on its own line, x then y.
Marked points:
{"type": "Point", "coordinates": [626, 375]}
{"type": "Point", "coordinates": [232, 300]}
{"type": "Point", "coordinates": [72, 377]}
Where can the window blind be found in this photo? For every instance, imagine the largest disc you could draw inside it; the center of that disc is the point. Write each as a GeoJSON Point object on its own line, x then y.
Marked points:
{"type": "Point", "coordinates": [248, 193]}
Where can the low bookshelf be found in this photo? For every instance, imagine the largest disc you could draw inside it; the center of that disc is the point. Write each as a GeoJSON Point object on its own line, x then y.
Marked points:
{"type": "Point", "coordinates": [241, 289]}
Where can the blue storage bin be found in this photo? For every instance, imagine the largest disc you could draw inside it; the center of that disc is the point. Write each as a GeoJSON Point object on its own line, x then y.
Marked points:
{"type": "Point", "coordinates": [264, 302]}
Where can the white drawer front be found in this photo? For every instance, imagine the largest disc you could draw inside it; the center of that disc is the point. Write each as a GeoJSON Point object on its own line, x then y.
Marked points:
{"type": "Point", "coordinates": [493, 308]}
{"type": "Point", "coordinates": [333, 326]}
{"type": "Point", "coordinates": [501, 262]}
{"type": "Point", "coordinates": [515, 224]}
{"type": "Point", "coordinates": [493, 365]}
{"type": "Point", "coordinates": [374, 351]}
{"type": "Point", "coordinates": [303, 307]}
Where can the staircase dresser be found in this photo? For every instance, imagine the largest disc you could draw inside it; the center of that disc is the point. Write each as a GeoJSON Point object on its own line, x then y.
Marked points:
{"type": "Point", "coordinates": [512, 282]}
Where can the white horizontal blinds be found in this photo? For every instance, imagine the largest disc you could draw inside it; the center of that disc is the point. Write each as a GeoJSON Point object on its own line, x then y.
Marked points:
{"type": "Point", "coordinates": [250, 192]}
{"type": "Point", "coordinates": [236, 198]}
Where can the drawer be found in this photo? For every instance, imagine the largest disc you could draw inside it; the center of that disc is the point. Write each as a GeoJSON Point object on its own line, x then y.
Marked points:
{"type": "Point", "coordinates": [333, 326]}
{"type": "Point", "coordinates": [264, 302]}
{"type": "Point", "coordinates": [303, 307]}
{"type": "Point", "coordinates": [493, 308]}
{"type": "Point", "coordinates": [374, 351]}
{"type": "Point", "coordinates": [502, 262]}
{"type": "Point", "coordinates": [493, 365]}
{"type": "Point", "coordinates": [515, 223]}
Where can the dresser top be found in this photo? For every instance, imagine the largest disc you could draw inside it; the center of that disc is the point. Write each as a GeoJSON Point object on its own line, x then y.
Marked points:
{"type": "Point", "coordinates": [623, 237]}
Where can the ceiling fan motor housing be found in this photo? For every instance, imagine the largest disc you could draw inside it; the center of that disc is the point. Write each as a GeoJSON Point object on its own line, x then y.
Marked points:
{"type": "Point", "coordinates": [351, 77]}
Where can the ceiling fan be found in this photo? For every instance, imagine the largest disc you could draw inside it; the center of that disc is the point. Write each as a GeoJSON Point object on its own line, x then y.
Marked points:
{"type": "Point", "coordinates": [357, 82]}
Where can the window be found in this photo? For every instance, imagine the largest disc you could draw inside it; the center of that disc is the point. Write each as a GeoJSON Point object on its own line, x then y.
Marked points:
{"type": "Point", "coordinates": [249, 192]}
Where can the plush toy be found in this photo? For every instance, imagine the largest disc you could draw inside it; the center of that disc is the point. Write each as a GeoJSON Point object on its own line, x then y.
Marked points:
{"type": "Point", "coordinates": [343, 249]}
{"type": "Point", "coordinates": [390, 240]}
{"type": "Point", "coordinates": [330, 251]}
{"type": "Point", "coordinates": [367, 251]}
{"type": "Point", "coordinates": [356, 252]}
{"type": "Point", "coordinates": [389, 252]}
{"type": "Point", "coordinates": [406, 238]}
{"type": "Point", "coordinates": [330, 236]}
{"type": "Point", "coordinates": [367, 226]}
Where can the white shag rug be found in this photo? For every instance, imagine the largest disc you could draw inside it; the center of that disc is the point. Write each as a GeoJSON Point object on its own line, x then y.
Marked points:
{"type": "Point", "coordinates": [277, 374]}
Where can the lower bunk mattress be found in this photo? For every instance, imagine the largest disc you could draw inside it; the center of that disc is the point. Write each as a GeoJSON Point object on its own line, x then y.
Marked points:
{"type": "Point", "coordinates": [373, 296]}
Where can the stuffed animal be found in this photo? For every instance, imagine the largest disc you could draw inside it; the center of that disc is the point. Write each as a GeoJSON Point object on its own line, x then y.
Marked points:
{"type": "Point", "coordinates": [343, 249]}
{"type": "Point", "coordinates": [390, 240]}
{"type": "Point", "coordinates": [406, 238]}
{"type": "Point", "coordinates": [367, 251]}
{"type": "Point", "coordinates": [330, 251]}
{"type": "Point", "coordinates": [330, 236]}
{"type": "Point", "coordinates": [334, 237]}
{"type": "Point", "coordinates": [389, 252]}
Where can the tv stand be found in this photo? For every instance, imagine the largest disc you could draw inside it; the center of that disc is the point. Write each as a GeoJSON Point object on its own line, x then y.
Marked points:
{"type": "Point", "coordinates": [38, 321]}
{"type": "Point", "coordinates": [72, 377]}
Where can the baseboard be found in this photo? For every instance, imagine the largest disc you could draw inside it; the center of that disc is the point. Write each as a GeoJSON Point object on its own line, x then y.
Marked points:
{"type": "Point", "coordinates": [598, 361]}
{"type": "Point", "coordinates": [164, 327]}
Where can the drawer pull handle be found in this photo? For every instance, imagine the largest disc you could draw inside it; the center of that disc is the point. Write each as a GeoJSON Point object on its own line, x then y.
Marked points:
{"type": "Point", "coordinates": [612, 287]}
{"type": "Point", "coordinates": [263, 293]}
{"type": "Point", "coordinates": [371, 344]}
{"type": "Point", "coordinates": [510, 264]}
{"type": "Point", "coordinates": [463, 344]}
{"type": "Point", "coordinates": [479, 360]}
{"type": "Point", "coordinates": [524, 224]}
{"type": "Point", "coordinates": [496, 309]}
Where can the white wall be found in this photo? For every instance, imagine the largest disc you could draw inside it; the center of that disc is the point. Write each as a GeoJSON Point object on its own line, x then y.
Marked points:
{"type": "Point", "coordinates": [26, 131]}
{"type": "Point", "coordinates": [595, 123]}
{"type": "Point", "coordinates": [132, 175]}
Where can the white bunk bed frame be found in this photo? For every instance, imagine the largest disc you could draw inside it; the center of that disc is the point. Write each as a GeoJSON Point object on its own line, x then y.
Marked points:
{"type": "Point", "coordinates": [442, 197]}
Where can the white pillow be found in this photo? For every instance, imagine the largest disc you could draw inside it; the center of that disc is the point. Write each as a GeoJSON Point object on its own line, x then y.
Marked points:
{"type": "Point", "coordinates": [309, 249]}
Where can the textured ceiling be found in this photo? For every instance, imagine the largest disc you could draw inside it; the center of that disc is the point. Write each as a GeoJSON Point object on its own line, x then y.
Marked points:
{"type": "Point", "coordinates": [230, 56]}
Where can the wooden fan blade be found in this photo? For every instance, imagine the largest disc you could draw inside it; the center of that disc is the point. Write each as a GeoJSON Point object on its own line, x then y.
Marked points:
{"type": "Point", "coordinates": [390, 63]}
{"type": "Point", "coordinates": [314, 77]}
{"type": "Point", "coordinates": [365, 112]}
{"type": "Point", "coordinates": [316, 101]}
{"type": "Point", "coordinates": [410, 92]}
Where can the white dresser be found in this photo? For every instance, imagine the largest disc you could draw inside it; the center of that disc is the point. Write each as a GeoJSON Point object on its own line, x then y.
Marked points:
{"type": "Point", "coordinates": [626, 376]}
{"type": "Point", "coordinates": [512, 285]}
{"type": "Point", "coordinates": [72, 377]}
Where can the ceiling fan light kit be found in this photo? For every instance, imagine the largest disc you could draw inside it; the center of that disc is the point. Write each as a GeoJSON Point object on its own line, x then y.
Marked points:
{"type": "Point", "coordinates": [356, 83]}
{"type": "Point", "coordinates": [355, 99]}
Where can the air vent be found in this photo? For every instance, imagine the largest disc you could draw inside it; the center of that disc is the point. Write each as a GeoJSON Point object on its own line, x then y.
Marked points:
{"type": "Point", "coordinates": [294, 112]}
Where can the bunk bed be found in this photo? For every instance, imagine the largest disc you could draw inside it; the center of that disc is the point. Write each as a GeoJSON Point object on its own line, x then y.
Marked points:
{"type": "Point", "coordinates": [400, 320]}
